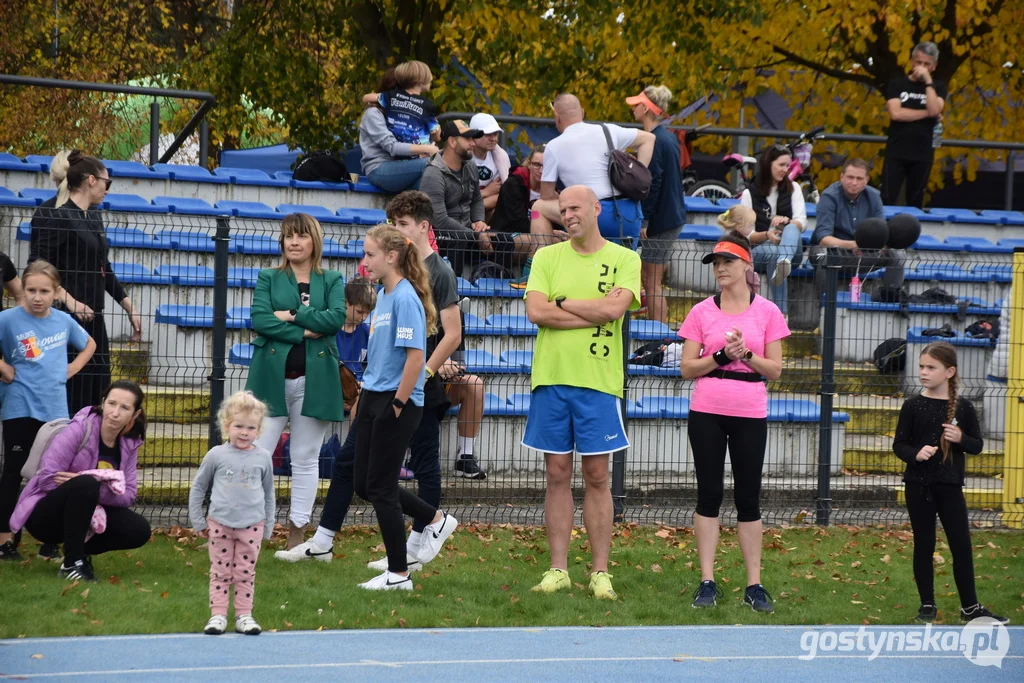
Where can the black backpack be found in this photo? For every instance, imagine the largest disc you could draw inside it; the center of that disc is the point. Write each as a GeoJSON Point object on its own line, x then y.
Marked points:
{"type": "Point", "coordinates": [652, 353]}
{"type": "Point", "coordinates": [322, 165]}
{"type": "Point", "coordinates": [891, 356]}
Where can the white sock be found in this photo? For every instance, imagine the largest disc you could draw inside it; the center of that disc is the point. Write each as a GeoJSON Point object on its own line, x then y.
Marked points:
{"type": "Point", "coordinates": [324, 538]}
{"type": "Point", "coordinates": [465, 445]}
{"type": "Point", "coordinates": [412, 546]}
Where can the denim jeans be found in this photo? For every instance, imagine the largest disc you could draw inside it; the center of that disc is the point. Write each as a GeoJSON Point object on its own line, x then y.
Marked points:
{"type": "Point", "coordinates": [398, 175]}
{"type": "Point", "coordinates": [766, 255]}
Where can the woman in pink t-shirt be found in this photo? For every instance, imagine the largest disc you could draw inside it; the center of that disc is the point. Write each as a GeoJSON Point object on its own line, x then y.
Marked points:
{"type": "Point", "coordinates": [733, 342]}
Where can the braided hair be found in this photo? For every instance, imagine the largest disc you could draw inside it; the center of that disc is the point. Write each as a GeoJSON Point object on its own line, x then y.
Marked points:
{"type": "Point", "coordinates": [945, 353]}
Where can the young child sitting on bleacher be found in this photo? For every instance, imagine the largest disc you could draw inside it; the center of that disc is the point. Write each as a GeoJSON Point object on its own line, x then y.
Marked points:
{"type": "Point", "coordinates": [742, 219]}
{"type": "Point", "coordinates": [410, 117]}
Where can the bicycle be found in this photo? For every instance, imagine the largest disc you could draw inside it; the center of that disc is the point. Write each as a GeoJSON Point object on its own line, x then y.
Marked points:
{"type": "Point", "coordinates": [800, 152]}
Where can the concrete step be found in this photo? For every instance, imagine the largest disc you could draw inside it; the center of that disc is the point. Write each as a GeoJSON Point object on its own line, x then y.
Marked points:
{"type": "Point", "coordinates": [873, 454]}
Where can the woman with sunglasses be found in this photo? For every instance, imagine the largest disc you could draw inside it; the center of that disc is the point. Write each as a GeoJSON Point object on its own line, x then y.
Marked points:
{"type": "Point", "coordinates": [73, 240]}
{"type": "Point", "coordinates": [781, 217]}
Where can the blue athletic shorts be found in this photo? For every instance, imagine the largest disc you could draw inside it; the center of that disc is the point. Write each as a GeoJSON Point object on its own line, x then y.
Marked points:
{"type": "Point", "coordinates": [632, 218]}
{"type": "Point", "coordinates": [564, 419]}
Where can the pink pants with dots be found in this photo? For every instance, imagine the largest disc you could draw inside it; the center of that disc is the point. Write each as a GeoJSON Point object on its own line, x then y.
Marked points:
{"type": "Point", "coordinates": [233, 555]}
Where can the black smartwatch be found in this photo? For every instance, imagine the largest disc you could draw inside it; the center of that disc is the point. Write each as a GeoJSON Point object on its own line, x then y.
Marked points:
{"type": "Point", "coordinates": [293, 312]}
{"type": "Point", "coordinates": [559, 300]}
{"type": "Point", "coordinates": [398, 403]}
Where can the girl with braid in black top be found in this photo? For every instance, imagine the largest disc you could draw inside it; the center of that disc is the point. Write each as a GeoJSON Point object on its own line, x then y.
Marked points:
{"type": "Point", "coordinates": [935, 430]}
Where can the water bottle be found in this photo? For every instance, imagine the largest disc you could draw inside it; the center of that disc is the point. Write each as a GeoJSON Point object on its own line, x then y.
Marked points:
{"type": "Point", "coordinates": [855, 290]}
{"type": "Point", "coordinates": [937, 135]}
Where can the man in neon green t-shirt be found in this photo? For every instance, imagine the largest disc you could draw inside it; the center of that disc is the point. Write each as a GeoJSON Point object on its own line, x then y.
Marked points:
{"type": "Point", "coordinates": [578, 293]}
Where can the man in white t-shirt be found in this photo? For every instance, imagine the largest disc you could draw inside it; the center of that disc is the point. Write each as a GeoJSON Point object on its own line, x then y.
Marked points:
{"type": "Point", "coordinates": [580, 156]}
{"type": "Point", "coordinates": [491, 160]}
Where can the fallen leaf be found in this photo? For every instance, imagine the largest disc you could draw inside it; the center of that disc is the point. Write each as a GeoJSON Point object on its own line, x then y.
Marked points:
{"type": "Point", "coordinates": [662, 533]}
{"type": "Point", "coordinates": [656, 568]}
{"type": "Point", "coordinates": [401, 622]}
{"type": "Point", "coordinates": [855, 564]}
{"type": "Point", "coordinates": [856, 602]}
{"type": "Point", "coordinates": [165, 594]}
{"type": "Point", "coordinates": [886, 559]}
{"type": "Point", "coordinates": [287, 624]}
{"type": "Point", "coordinates": [114, 580]}
{"type": "Point", "coordinates": [938, 559]}
{"type": "Point", "coordinates": [85, 593]}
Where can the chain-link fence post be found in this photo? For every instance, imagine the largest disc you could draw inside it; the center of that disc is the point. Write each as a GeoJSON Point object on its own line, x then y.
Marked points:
{"type": "Point", "coordinates": [827, 388]}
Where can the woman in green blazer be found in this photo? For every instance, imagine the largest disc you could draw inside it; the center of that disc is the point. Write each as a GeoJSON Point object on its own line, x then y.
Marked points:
{"type": "Point", "coordinates": [297, 311]}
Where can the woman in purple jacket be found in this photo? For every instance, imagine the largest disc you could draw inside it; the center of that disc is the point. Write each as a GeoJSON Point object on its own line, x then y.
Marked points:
{"type": "Point", "coordinates": [59, 502]}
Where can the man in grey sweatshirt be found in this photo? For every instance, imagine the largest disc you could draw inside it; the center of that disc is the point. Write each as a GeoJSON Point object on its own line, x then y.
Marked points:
{"type": "Point", "coordinates": [452, 182]}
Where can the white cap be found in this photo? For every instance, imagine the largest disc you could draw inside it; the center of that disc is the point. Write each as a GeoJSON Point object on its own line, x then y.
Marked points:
{"type": "Point", "coordinates": [485, 123]}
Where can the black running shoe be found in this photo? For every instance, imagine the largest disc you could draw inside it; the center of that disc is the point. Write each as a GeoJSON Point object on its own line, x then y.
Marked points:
{"type": "Point", "coordinates": [759, 599]}
{"type": "Point", "coordinates": [49, 551]}
{"type": "Point", "coordinates": [468, 468]}
{"type": "Point", "coordinates": [978, 611]}
{"type": "Point", "coordinates": [9, 552]}
{"type": "Point", "coordinates": [81, 570]}
{"type": "Point", "coordinates": [928, 613]}
{"type": "Point", "coordinates": [706, 595]}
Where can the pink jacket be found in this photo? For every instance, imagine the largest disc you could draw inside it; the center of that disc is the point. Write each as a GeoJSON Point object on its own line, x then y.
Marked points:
{"type": "Point", "coordinates": [63, 456]}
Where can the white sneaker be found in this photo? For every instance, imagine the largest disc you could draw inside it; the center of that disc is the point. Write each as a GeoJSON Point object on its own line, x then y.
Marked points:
{"type": "Point", "coordinates": [216, 625]}
{"type": "Point", "coordinates": [434, 537]}
{"type": "Point", "coordinates": [388, 582]}
{"type": "Point", "coordinates": [782, 270]}
{"type": "Point", "coordinates": [244, 623]}
{"type": "Point", "coordinates": [305, 551]}
{"type": "Point", "coordinates": [382, 564]}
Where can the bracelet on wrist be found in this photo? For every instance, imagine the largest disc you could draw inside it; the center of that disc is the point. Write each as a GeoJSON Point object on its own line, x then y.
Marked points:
{"type": "Point", "coordinates": [430, 373]}
{"type": "Point", "coordinates": [721, 357]}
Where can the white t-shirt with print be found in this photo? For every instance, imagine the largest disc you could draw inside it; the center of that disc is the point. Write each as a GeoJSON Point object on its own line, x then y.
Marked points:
{"type": "Point", "coordinates": [488, 169]}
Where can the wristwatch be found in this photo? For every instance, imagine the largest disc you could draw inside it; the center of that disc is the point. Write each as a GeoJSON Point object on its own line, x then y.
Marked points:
{"type": "Point", "coordinates": [559, 300]}
{"type": "Point", "coordinates": [398, 403]}
{"type": "Point", "coordinates": [293, 312]}
{"type": "Point", "coordinates": [747, 356]}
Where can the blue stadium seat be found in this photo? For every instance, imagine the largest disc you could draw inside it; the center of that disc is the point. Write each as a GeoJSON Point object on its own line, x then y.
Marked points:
{"type": "Point", "coordinates": [806, 235]}
{"type": "Point", "coordinates": [240, 317]}
{"type": "Point", "coordinates": [701, 205]}
{"type": "Point", "coordinates": [133, 169]}
{"type": "Point", "coordinates": [1005, 217]}
{"type": "Point", "coordinates": [891, 211]}
{"type": "Point", "coordinates": [962, 216]}
{"type": "Point", "coordinates": [8, 198]}
{"type": "Point", "coordinates": [256, 245]}
{"type": "Point", "coordinates": [929, 243]}
{"type": "Point", "coordinates": [42, 160]}
{"type": "Point", "coordinates": [187, 276]}
{"type": "Point", "coordinates": [240, 354]}
{"type": "Point", "coordinates": [24, 231]}
{"type": "Point", "coordinates": [183, 240]}
{"type": "Point", "coordinates": [318, 212]}
{"type": "Point", "coordinates": [519, 405]}
{"type": "Point", "coordinates": [975, 306]}
{"type": "Point", "coordinates": [812, 209]}
{"type": "Point", "coordinates": [1002, 274]}
{"type": "Point", "coordinates": [248, 176]}
{"type": "Point", "coordinates": [189, 206]}
{"type": "Point", "coordinates": [915, 336]}
{"type": "Point", "coordinates": [479, 362]}
{"type": "Point", "coordinates": [865, 303]}
{"type": "Point", "coordinates": [9, 162]}
{"type": "Point", "coordinates": [943, 272]}
{"type": "Point", "coordinates": [364, 185]}
{"type": "Point", "coordinates": [190, 173]}
{"type": "Point", "coordinates": [978, 245]}
{"type": "Point", "coordinates": [648, 330]}
{"type": "Point", "coordinates": [243, 277]}
{"type": "Point", "coordinates": [184, 315]}
{"type": "Point", "coordinates": [515, 325]}
{"type": "Point", "coordinates": [1010, 242]}
{"type": "Point", "coordinates": [728, 202]}
{"type": "Point", "coordinates": [799, 410]}
{"type": "Point", "coordinates": [670, 407]}
{"type": "Point", "coordinates": [362, 216]}
{"type": "Point", "coordinates": [38, 194]}
{"type": "Point", "coordinates": [491, 286]}
{"type": "Point", "coordinates": [351, 249]}
{"type": "Point", "coordinates": [249, 210]}
{"type": "Point", "coordinates": [638, 410]}
{"type": "Point", "coordinates": [283, 175]}
{"type": "Point", "coordinates": [706, 233]}
{"type": "Point", "coordinates": [136, 274]}
{"type": "Point", "coordinates": [496, 406]}
{"type": "Point", "coordinates": [134, 238]}
{"type": "Point", "coordinates": [522, 360]}
{"type": "Point", "coordinates": [466, 287]}
{"type": "Point", "coordinates": [130, 202]}
{"type": "Point", "coordinates": [475, 326]}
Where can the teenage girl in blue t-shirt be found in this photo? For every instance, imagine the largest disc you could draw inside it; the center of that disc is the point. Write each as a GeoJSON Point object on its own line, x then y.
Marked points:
{"type": "Point", "coordinates": [391, 403]}
{"type": "Point", "coordinates": [35, 368]}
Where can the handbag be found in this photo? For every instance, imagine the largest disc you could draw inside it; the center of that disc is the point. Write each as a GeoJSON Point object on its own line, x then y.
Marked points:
{"type": "Point", "coordinates": [628, 175]}
{"type": "Point", "coordinates": [349, 386]}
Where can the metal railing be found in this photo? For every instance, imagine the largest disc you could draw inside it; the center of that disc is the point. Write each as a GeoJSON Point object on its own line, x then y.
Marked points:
{"type": "Point", "coordinates": [1009, 147]}
{"type": "Point", "coordinates": [198, 119]}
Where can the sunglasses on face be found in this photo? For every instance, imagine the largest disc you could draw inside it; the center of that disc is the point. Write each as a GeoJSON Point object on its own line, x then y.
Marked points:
{"type": "Point", "coordinates": [108, 181]}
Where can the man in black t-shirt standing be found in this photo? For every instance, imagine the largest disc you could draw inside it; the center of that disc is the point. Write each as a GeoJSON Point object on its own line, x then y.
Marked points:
{"type": "Point", "coordinates": [915, 104]}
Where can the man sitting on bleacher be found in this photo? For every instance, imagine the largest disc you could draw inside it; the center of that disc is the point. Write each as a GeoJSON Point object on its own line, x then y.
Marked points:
{"type": "Point", "coordinates": [843, 205]}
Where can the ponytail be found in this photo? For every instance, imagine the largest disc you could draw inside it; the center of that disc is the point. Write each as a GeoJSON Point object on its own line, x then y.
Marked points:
{"type": "Point", "coordinates": [954, 386]}
{"type": "Point", "coordinates": [59, 174]}
{"type": "Point", "coordinates": [410, 265]}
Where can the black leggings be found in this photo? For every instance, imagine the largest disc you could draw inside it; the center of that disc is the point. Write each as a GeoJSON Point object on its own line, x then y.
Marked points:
{"type": "Point", "coordinates": [381, 440]}
{"type": "Point", "coordinates": [914, 173]}
{"type": "Point", "coordinates": [19, 433]}
{"type": "Point", "coordinates": [924, 501]}
{"type": "Point", "coordinates": [65, 514]}
{"type": "Point", "coordinates": [746, 438]}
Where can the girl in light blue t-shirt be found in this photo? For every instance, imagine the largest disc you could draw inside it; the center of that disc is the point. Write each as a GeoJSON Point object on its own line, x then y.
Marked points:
{"type": "Point", "coordinates": [390, 405]}
{"type": "Point", "coordinates": [34, 339]}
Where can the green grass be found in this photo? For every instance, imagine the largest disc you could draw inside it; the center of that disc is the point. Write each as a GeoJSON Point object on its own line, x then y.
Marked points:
{"type": "Point", "coordinates": [839, 575]}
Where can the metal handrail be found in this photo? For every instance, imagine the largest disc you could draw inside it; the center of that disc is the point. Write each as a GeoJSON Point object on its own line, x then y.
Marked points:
{"type": "Point", "coordinates": [198, 119]}
{"type": "Point", "coordinates": [1010, 147]}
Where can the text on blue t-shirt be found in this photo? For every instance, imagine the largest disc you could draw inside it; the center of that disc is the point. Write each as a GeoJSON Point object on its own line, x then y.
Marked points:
{"type": "Point", "coordinates": [396, 324]}
{"type": "Point", "coordinates": [410, 118]}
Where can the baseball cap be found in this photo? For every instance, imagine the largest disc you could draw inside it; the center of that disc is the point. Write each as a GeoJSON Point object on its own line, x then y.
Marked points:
{"type": "Point", "coordinates": [459, 129]}
{"type": "Point", "coordinates": [729, 250]}
{"type": "Point", "coordinates": [485, 123]}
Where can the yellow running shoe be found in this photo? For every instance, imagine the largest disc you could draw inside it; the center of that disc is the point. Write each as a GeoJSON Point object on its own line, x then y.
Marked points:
{"type": "Point", "coordinates": [601, 586]}
{"type": "Point", "coordinates": [553, 580]}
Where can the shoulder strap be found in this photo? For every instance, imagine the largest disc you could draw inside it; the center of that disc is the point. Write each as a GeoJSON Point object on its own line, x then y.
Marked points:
{"type": "Point", "coordinates": [611, 181]}
{"type": "Point", "coordinates": [718, 299]}
{"type": "Point", "coordinates": [85, 437]}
